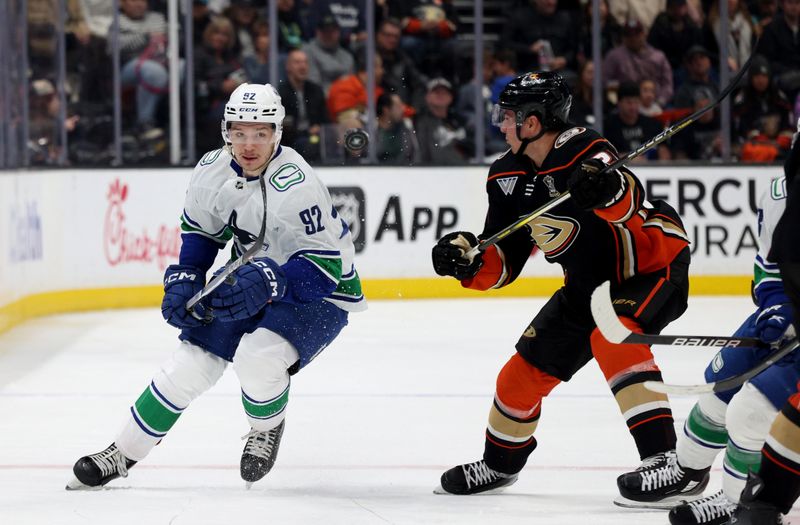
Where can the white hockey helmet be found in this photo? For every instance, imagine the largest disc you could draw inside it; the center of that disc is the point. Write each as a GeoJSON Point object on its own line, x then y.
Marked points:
{"type": "Point", "coordinates": [254, 103]}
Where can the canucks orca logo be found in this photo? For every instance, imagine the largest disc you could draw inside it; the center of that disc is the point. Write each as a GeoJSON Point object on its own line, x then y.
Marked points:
{"type": "Point", "coordinates": [243, 236]}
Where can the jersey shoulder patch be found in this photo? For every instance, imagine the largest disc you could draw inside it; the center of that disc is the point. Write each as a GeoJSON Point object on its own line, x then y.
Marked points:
{"type": "Point", "coordinates": [777, 190]}
{"type": "Point", "coordinates": [210, 157]}
{"type": "Point", "coordinates": [565, 136]}
{"type": "Point", "coordinates": [286, 176]}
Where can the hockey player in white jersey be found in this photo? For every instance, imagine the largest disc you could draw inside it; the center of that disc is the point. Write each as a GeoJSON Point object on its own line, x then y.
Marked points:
{"type": "Point", "coordinates": [272, 317]}
{"type": "Point", "coordinates": [736, 421]}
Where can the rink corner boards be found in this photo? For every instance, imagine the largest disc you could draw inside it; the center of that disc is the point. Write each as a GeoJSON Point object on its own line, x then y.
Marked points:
{"type": "Point", "coordinates": [64, 301]}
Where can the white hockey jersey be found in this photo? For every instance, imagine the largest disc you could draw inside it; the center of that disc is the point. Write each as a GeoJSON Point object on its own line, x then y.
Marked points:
{"type": "Point", "coordinates": [771, 204]}
{"type": "Point", "coordinates": [300, 218]}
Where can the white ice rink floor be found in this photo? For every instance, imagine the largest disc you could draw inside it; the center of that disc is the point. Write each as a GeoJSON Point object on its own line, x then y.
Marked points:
{"type": "Point", "coordinates": [401, 396]}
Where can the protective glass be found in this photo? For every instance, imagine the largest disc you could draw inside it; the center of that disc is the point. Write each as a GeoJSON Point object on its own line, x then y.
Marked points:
{"type": "Point", "coordinates": [499, 116]}
{"type": "Point", "coordinates": [251, 135]}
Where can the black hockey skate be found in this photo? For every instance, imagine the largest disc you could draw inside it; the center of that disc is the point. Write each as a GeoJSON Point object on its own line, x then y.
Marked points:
{"type": "Point", "coordinates": [260, 453]}
{"type": "Point", "coordinates": [660, 483]}
{"type": "Point", "coordinates": [95, 470]}
{"type": "Point", "coordinates": [473, 478]}
{"type": "Point", "coordinates": [715, 509]}
{"type": "Point", "coordinates": [752, 511]}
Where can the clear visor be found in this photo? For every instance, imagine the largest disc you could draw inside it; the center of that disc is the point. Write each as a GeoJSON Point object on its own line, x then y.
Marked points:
{"type": "Point", "coordinates": [502, 116]}
{"type": "Point", "coordinates": [251, 135]}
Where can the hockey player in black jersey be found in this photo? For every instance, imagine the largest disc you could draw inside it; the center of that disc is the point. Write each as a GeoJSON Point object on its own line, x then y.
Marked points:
{"type": "Point", "coordinates": [607, 230]}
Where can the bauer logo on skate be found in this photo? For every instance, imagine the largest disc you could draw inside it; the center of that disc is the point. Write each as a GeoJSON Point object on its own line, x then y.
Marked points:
{"type": "Point", "coordinates": [121, 244]}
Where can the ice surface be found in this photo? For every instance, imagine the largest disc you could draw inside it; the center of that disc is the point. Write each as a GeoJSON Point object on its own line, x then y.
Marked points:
{"type": "Point", "coordinates": [401, 396]}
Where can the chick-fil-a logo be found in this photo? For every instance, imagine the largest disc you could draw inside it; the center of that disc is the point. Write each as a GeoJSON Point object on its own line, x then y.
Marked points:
{"type": "Point", "coordinates": [121, 245]}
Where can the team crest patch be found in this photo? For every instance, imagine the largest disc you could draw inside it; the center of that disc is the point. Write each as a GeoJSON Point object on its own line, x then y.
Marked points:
{"type": "Point", "coordinates": [717, 363]}
{"type": "Point", "coordinates": [287, 176]}
{"type": "Point", "coordinates": [507, 184]}
{"type": "Point", "coordinates": [210, 157]}
{"type": "Point", "coordinates": [551, 186]}
{"type": "Point", "coordinates": [531, 80]}
{"type": "Point", "coordinates": [564, 137]}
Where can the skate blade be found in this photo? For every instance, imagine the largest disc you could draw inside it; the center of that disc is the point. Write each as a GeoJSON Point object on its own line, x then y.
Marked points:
{"type": "Point", "coordinates": [75, 484]}
{"type": "Point", "coordinates": [664, 504]}
{"type": "Point", "coordinates": [441, 490]}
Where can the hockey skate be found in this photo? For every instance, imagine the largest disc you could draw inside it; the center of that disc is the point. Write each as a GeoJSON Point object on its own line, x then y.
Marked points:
{"type": "Point", "coordinates": [473, 478]}
{"type": "Point", "coordinates": [260, 453]}
{"type": "Point", "coordinates": [660, 483]}
{"type": "Point", "coordinates": [752, 511]}
{"type": "Point", "coordinates": [95, 470]}
{"type": "Point", "coordinates": [715, 509]}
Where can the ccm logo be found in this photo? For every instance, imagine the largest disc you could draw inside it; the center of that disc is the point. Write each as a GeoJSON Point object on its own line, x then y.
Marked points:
{"type": "Point", "coordinates": [180, 277]}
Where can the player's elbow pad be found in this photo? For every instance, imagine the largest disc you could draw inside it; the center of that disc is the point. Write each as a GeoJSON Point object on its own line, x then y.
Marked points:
{"type": "Point", "coordinates": [306, 283]}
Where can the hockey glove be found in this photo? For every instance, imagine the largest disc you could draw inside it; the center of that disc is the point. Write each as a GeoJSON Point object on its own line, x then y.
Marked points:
{"type": "Point", "coordinates": [774, 324]}
{"type": "Point", "coordinates": [448, 255]}
{"type": "Point", "coordinates": [592, 188]}
{"type": "Point", "coordinates": [248, 290]}
{"type": "Point", "coordinates": [181, 283]}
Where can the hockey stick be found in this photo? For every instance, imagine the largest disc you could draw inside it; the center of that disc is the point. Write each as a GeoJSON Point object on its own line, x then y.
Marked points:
{"type": "Point", "coordinates": [234, 265]}
{"type": "Point", "coordinates": [655, 141]}
{"type": "Point", "coordinates": [725, 384]}
{"type": "Point", "coordinates": [612, 328]}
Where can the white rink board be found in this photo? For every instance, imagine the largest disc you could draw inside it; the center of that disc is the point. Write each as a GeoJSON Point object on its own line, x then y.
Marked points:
{"type": "Point", "coordinates": [78, 229]}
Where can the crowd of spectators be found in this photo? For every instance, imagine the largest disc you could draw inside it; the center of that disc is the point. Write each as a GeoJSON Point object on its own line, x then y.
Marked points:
{"type": "Point", "coordinates": [660, 62]}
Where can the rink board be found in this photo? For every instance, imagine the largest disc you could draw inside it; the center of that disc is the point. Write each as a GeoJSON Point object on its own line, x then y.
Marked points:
{"type": "Point", "coordinates": [88, 239]}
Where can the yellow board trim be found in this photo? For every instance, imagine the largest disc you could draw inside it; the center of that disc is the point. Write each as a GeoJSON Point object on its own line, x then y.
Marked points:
{"type": "Point", "coordinates": [48, 303]}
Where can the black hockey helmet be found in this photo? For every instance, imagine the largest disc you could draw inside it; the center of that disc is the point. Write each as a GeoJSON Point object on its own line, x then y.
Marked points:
{"type": "Point", "coordinates": [541, 93]}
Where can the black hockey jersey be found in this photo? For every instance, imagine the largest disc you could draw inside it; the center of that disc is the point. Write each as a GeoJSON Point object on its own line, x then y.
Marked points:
{"type": "Point", "coordinates": [628, 236]}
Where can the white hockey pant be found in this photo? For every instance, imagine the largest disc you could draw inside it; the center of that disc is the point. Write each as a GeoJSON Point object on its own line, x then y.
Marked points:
{"type": "Point", "coordinates": [261, 363]}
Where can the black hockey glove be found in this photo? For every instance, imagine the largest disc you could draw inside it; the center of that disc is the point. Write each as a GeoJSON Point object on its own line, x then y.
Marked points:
{"type": "Point", "coordinates": [448, 255]}
{"type": "Point", "coordinates": [592, 188]}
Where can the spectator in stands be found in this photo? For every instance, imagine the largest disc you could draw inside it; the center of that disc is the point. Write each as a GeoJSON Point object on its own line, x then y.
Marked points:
{"type": "Point", "coordinates": [674, 32]}
{"type": "Point", "coordinates": [244, 15]}
{"type": "Point", "coordinates": [257, 65]}
{"type": "Point", "coordinates": [347, 98]}
{"type": "Point", "coordinates": [647, 99]}
{"type": "Point", "coordinates": [94, 63]}
{"type": "Point", "coordinates": [780, 44]}
{"type": "Point", "coordinates": [635, 60]}
{"type": "Point", "coordinates": [327, 60]}
{"type": "Point", "coordinates": [610, 31]}
{"type": "Point", "coordinates": [44, 137]}
{"type": "Point", "coordinates": [42, 19]}
{"type": "Point", "coordinates": [429, 27]}
{"type": "Point", "coordinates": [441, 136]}
{"type": "Point", "coordinates": [582, 111]}
{"type": "Point", "coordinates": [701, 140]}
{"type": "Point", "coordinates": [351, 16]}
{"type": "Point", "coordinates": [770, 142]}
{"type": "Point", "coordinates": [217, 72]}
{"type": "Point", "coordinates": [542, 36]}
{"type": "Point", "coordinates": [143, 54]}
{"type": "Point", "coordinates": [201, 16]}
{"type": "Point", "coordinates": [504, 70]}
{"type": "Point", "coordinates": [740, 31]}
{"type": "Point", "coordinates": [304, 102]}
{"type": "Point", "coordinates": [763, 14]}
{"type": "Point", "coordinates": [307, 15]}
{"type": "Point", "coordinates": [757, 99]}
{"type": "Point", "coordinates": [627, 129]}
{"type": "Point", "coordinates": [400, 75]}
{"type": "Point", "coordinates": [396, 142]}
{"type": "Point", "coordinates": [698, 70]}
{"type": "Point", "coordinates": [464, 107]}
{"type": "Point", "coordinates": [290, 35]}
{"type": "Point", "coordinates": [645, 11]}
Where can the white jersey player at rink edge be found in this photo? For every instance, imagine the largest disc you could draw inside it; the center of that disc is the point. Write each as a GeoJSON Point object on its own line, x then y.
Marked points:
{"type": "Point", "coordinates": [277, 312]}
